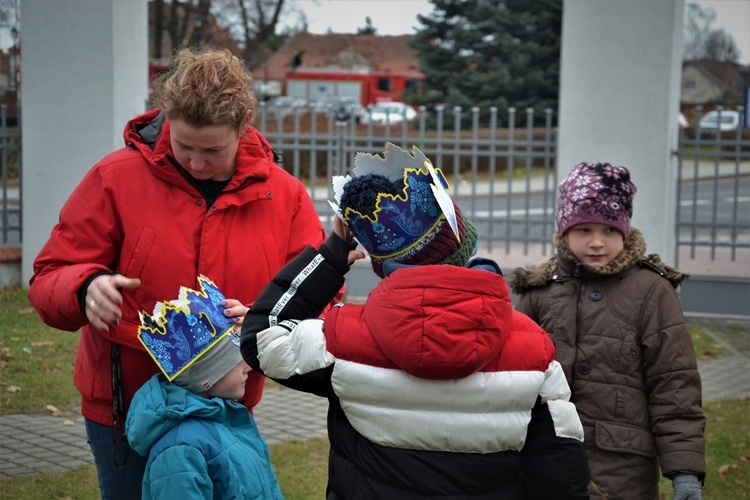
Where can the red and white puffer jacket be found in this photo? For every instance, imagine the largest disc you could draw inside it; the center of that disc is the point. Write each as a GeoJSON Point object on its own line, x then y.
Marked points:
{"type": "Point", "coordinates": [437, 388]}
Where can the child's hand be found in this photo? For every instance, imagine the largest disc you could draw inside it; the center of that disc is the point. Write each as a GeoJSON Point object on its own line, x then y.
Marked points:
{"type": "Point", "coordinates": [355, 255]}
{"type": "Point", "coordinates": [343, 232]}
{"type": "Point", "coordinates": [233, 308]}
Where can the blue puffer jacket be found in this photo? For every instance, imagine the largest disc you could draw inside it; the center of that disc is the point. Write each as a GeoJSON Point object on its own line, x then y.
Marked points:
{"type": "Point", "coordinates": [198, 447]}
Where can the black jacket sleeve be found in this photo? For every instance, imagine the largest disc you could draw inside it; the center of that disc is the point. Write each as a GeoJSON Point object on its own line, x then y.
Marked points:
{"type": "Point", "coordinates": [300, 290]}
{"type": "Point", "coordinates": [553, 466]}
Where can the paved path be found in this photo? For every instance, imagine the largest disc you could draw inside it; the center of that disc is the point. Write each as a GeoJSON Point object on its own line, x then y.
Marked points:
{"type": "Point", "coordinates": [39, 443]}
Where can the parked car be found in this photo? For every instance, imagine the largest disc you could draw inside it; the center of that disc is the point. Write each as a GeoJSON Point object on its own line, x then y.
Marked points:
{"type": "Point", "coordinates": [345, 108]}
{"type": "Point", "coordinates": [726, 121]}
{"type": "Point", "coordinates": [389, 112]}
{"type": "Point", "coordinates": [283, 106]}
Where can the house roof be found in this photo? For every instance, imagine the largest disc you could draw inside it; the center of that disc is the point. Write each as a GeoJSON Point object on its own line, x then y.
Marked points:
{"type": "Point", "coordinates": [343, 51]}
{"type": "Point", "coordinates": [729, 76]}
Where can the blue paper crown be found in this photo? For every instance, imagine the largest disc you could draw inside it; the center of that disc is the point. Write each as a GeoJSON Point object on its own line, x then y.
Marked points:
{"type": "Point", "coordinates": [181, 331]}
{"type": "Point", "coordinates": [399, 222]}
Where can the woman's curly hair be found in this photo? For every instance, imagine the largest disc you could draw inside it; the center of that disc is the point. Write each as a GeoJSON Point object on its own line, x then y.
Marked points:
{"type": "Point", "coordinates": [206, 87]}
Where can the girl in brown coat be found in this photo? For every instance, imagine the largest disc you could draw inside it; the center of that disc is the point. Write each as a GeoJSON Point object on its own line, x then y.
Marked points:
{"type": "Point", "coordinates": [621, 337]}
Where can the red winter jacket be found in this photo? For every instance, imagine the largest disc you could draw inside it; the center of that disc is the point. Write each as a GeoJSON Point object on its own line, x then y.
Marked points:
{"type": "Point", "coordinates": [436, 387]}
{"type": "Point", "coordinates": [134, 213]}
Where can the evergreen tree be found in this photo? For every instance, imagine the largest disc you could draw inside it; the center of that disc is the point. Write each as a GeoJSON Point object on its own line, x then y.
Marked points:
{"type": "Point", "coordinates": [503, 53]}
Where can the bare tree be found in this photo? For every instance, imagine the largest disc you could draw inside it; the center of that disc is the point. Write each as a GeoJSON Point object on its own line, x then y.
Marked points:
{"type": "Point", "coordinates": [184, 22]}
{"type": "Point", "coordinates": [720, 46]}
{"type": "Point", "coordinates": [254, 23]}
{"type": "Point", "coordinates": [158, 24]}
{"type": "Point", "coordinates": [179, 21]}
{"type": "Point", "coordinates": [702, 42]}
{"type": "Point", "coordinates": [9, 18]}
{"type": "Point", "coordinates": [10, 23]}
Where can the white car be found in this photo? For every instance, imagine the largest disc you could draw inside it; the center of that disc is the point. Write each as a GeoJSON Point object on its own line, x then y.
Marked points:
{"type": "Point", "coordinates": [713, 122]}
{"type": "Point", "coordinates": [284, 106]}
{"type": "Point", "coordinates": [381, 113]}
{"type": "Point", "coordinates": [343, 107]}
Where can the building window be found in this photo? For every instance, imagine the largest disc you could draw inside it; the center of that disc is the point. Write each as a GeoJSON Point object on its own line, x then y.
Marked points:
{"type": "Point", "coordinates": [384, 84]}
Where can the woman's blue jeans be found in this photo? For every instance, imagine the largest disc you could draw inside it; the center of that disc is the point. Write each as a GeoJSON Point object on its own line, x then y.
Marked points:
{"type": "Point", "coordinates": [115, 483]}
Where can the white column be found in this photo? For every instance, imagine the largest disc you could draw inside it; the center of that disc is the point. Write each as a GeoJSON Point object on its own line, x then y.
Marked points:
{"type": "Point", "coordinates": [619, 99]}
{"type": "Point", "coordinates": [84, 74]}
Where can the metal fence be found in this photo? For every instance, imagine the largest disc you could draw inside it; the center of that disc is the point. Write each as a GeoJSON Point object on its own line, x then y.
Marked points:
{"type": "Point", "coordinates": [504, 177]}
{"type": "Point", "coordinates": [10, 164]}
{"type": "Point", "coordinates": [502, 172]}
{"type": "Point", "coordinates": [713, 185]}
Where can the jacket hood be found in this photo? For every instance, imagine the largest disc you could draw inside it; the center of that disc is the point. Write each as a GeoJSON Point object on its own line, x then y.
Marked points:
{"type": "Point", "coordinates": [149, 133]}
{"type": "Point", "coordinates": [440, 321]}
{"type": "Point", "coordinates": [158, 406]}
{"type": "Point", "coordinates": [522, 280]}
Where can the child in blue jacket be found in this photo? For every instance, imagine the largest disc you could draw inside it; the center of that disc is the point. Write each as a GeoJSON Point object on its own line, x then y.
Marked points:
{"type": "Point", "coordinates": [200, 442]}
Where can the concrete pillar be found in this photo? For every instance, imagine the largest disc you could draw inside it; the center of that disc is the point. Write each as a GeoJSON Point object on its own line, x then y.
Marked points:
{"type": "Point", "coordinates": [85, 73]}
{"type": "Point", "coordinates": [619, 99]}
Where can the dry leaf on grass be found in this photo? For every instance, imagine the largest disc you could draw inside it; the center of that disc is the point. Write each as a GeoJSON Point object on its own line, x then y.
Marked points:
{"type": "Point", "coordinates": [68, 423]}
{"type": "Point", "coordinates": [53, 410]}
{"type": "Point", "coordinates": [13, 388]}
{"type": "Point", "coordinates": [42, 344]}
{"type": "Point", "coordinates": [725, 468]}
{"type": "Point", "coordinates": [707, 353]}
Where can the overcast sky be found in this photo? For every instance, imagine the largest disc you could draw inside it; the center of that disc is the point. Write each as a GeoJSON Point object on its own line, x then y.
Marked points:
{"type": "Point", "coordinates": [397, 17]}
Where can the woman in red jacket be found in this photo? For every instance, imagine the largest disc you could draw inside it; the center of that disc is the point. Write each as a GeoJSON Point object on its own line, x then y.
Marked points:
{"type": "Point", "coordinates": [195, 191]}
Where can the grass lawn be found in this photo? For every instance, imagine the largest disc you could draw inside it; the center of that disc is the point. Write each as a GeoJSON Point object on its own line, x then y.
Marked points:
{"type": "Point", "coordinates": [36, 366]}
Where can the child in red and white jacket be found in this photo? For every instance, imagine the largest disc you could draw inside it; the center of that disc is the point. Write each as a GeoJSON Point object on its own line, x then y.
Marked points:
{"type": "Point", "coordinates": [437, 388]}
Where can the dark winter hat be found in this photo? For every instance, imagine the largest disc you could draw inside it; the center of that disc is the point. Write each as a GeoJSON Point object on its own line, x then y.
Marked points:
{"type": "Point", "coordinates": [596, 192]}
{"type": "Point", "coordinates": [190, 339]}
{"type": "Point", "coordinates": [399, 209]}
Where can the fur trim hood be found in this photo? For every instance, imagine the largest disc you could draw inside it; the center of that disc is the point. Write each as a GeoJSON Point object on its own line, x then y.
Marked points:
{"type": "Point", "coordinates": [524, 279]}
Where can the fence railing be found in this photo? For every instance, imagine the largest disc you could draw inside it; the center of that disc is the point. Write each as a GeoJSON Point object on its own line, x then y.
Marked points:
{"type": "Point", "coordinates": [714, 192]}
{"type": "Point", "coordinates": [503, 177]}
{"type": "Point", "coordinates": [502, 171]}
{"type": "Point", "coordinates": [10, 166]}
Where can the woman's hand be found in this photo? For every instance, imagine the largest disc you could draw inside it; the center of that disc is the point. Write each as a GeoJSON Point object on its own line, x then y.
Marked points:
{"type": "Point", "coordinates": [234, 309]}
{"type": "Point", "coordinates": [103, 299]}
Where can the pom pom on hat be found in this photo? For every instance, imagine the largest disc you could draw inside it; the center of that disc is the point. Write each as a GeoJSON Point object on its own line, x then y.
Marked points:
{"type": "Point", "coordinates": [596, 193]}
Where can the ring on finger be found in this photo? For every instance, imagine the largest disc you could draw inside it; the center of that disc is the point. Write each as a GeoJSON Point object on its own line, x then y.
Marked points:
{"type": "Point", "coordinates": [92, 304]}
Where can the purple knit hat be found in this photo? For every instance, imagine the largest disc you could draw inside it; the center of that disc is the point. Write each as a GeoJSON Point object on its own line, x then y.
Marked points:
{"type": "Point", "coordinates": [596, 192]}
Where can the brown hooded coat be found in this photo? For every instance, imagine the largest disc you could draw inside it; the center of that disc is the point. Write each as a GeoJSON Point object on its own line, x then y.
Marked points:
{"type": "Point", "coordinates": [624, 345]}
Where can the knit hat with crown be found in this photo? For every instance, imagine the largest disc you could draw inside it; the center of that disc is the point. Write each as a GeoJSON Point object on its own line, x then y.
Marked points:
{"type": "Point", "coordinates": [190, 339]}
{"type": "Point", "coordinates": [399, 209]}
{"type": "Point", "coordinates": [596, 193]}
